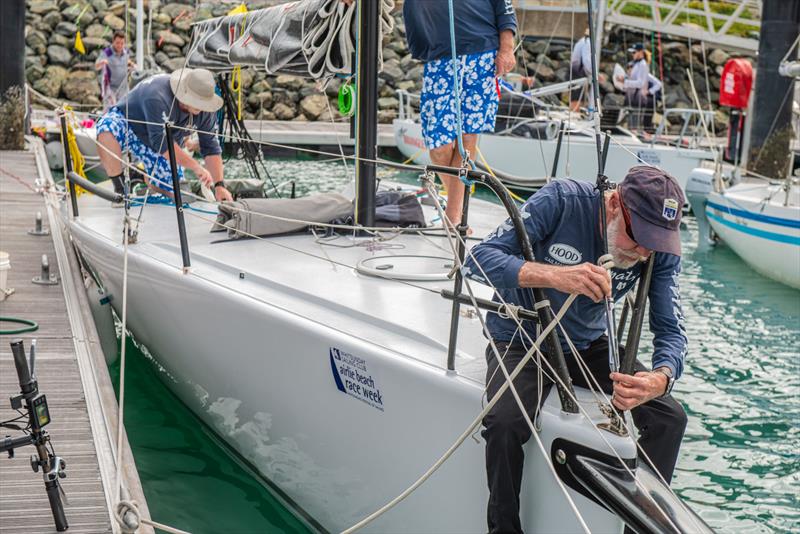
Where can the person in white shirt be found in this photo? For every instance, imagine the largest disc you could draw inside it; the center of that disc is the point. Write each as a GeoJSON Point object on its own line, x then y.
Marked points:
{"type": "Point", "coordinates": [636, 85]}
{"type": "Point", "coordinates": [580, 67]}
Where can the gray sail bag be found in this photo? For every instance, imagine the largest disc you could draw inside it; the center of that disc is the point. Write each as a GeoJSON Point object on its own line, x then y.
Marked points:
{"type": "Point", "coordinates": [272, 216]}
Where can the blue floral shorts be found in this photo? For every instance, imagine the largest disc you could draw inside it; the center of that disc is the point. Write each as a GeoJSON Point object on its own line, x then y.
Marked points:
{"type": "Point", "coordinates": [478, 95]}
{"type": "Point", "coordinates": [155, 165]}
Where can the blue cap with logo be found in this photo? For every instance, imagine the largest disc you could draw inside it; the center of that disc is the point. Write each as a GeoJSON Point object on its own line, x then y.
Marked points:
{"type": "Point", "coordinates": [654, 200]}
{"type": "Point", "coordinates": [637, 47]}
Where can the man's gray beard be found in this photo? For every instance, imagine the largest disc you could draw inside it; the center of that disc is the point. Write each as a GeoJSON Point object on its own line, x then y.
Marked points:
{"type": "Point", "coordinates": [623, 259]}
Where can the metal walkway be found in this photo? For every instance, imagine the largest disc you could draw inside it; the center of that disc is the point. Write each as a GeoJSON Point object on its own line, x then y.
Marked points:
{"type": "Point", "coordinates": [69, 365]}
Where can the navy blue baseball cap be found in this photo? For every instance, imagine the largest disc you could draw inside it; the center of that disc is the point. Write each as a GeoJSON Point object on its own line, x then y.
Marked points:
{"type": "Point", "coordinates": [637, 47]}
{"type": "Point", "coordinates": [654, 200]}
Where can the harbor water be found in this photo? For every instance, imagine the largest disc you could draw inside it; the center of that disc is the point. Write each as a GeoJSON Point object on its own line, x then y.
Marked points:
{"type": "Point", "coordinates": [739, 465]}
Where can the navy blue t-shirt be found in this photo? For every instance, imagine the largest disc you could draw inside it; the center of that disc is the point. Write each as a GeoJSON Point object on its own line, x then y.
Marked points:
{"type": "Point", "coordinates": [151, 101]}
{"type": "Point", "coordinates": [478, 24]}
{"type": "Point", "coordinates": [563, 222]}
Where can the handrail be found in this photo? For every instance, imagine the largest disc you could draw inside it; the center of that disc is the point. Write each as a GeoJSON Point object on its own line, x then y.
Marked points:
{"type": "Point", "coordinates": [102, 192]}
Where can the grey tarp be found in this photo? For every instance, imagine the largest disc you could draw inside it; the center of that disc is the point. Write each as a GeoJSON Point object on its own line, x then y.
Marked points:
{"type": "Point", "coordinates": [267, 216]}
{"type": "Point", "coordinates": [313, 38]}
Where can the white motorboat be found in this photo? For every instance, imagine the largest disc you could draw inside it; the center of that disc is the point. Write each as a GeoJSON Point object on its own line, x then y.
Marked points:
{"type": "Point", "coordinates": [334, 371]}
{"type": "Point", "coordinates": [527, 162]}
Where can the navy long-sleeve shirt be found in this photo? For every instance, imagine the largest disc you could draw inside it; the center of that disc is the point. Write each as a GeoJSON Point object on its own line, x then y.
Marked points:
{"type": "Point", "coordinates": [563, 222]}
{"type": "Point", "coordinates": [150, 101]}
{"type": "Point", "coordinates": [478, 24]}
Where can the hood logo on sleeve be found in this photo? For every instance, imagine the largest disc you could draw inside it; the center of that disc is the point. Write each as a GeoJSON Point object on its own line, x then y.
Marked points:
{"type": "Point", "coordinates": [670, 210]}
{"type": "Point", "coordinates": [565, 254]}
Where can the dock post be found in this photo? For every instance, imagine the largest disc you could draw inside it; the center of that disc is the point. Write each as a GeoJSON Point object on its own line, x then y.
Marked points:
{"type": "Point", "coordinates": [176, 192]}
{"type": "Point", "coordinates": [73, 194]}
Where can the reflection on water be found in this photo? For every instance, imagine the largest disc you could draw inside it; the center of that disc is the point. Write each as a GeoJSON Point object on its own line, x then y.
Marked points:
{"type": "Point", "coordinates": [740, 461]}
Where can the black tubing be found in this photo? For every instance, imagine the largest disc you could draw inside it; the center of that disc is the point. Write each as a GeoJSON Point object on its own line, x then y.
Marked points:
{"type": "Point", "coordinates": [102, 192]}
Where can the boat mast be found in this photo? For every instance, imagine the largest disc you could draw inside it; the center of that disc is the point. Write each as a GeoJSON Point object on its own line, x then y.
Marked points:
{"type": "Point", "coordinates": [367, 110]}
{"type": "Point", "coordinates": [140, 34]}
{"type": "Point", "coordinates": [12, 53]}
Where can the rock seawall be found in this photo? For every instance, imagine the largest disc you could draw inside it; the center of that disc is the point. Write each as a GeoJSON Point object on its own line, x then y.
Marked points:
{"type": "Point", "coordinates": [54, 68]}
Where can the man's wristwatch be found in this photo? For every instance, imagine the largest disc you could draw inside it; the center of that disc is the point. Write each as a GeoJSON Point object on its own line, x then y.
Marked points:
{"type": "Point", "coordinates": [221, 183]}
{"type": "Point", "coordinates": [666, 371]}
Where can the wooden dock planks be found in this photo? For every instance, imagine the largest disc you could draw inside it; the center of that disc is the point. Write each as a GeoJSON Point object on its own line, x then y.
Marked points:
{"type": "Point", "coordinates": [23, 503]}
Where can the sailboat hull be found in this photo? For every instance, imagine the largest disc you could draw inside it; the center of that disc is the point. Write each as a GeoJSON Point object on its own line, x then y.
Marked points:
{"type": "Point", "coordinates": [522, 157]}
{"type": "Point", "coordinates": [265, 364]}
{"type": "Point", "coordinates": [753, 220]}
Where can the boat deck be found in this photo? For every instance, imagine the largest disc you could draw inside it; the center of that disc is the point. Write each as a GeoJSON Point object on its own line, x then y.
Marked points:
{"type": "Point", "coordinates": [80, 396]}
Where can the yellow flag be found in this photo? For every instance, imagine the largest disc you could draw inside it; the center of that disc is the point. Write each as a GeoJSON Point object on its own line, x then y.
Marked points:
{"type": "Point", "coordinates": [238, 10]}
{"type": "Point", "coordinates": [79, 43]}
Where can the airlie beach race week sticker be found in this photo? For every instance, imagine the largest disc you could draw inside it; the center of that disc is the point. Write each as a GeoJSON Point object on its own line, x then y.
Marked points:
{"type": "Point", "coordinates": [352, 377]}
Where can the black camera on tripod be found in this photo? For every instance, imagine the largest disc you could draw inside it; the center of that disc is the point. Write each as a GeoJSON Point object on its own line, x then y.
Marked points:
{"type": "Point", "coordinates": [38, 416]}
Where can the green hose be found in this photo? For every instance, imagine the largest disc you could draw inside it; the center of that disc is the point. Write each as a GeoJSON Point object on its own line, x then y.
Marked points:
{"type": "Point", "coordinates": [31, 326]}
{"type": "Point", "coordinates": [347, 95]}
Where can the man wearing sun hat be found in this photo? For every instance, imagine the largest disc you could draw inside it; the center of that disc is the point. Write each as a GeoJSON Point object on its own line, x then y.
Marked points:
{"type": "Point", "coordinates": [563, 222]}
{"type": "Point", "coordinates": [187, 99]}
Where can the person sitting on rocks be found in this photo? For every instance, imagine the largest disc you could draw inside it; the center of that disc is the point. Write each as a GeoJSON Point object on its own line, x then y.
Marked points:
{"type": "Point", "coordinates": [113, 64]}
{"type": "Point", "coordinates": [186, 99]}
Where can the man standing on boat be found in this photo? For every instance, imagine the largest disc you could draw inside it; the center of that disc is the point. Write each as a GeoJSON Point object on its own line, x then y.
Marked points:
{"type": "Point", "coordinates": [563, 222]}
{"type": "Point", "coordinates": [187, 99]}
{"type": "Point", "coordinates": [484, 39]}
{"type": "Point", "coordinates": [113, 64]}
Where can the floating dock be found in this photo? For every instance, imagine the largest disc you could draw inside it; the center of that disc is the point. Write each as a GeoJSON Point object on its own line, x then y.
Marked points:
{"type": "Point", "coordinates": [70, 367]}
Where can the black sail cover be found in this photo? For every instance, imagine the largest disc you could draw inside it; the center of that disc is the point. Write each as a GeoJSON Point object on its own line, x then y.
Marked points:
{"type": "Point", "coordinates": [310, 38]}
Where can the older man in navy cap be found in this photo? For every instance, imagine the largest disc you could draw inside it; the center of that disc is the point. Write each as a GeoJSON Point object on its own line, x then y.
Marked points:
{"type": "Point", "coordinates": [563, 221]}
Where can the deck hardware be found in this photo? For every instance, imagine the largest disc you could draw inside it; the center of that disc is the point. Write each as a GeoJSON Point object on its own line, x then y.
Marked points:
{"type": "Point", "coordinates": [45, 278]}
{"type": "Point", "coordinates": [38, 230]}
{"type": "Point", "coordinates": [561, 456]}
{"type": "Point", "coordinates": [384, 266]}
{"type": "Point", "coordinates": [241, 275]}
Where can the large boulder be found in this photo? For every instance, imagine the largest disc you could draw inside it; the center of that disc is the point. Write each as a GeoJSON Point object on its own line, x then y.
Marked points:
{"type": "Point", "coordinates": [96, 30]}
{"type": "Point", "coordinates": [113, 22]}
{"type": "Point", "coordinates": [173, 64]}
{"type": "Point", "coordinates": [93, 43]}
{"type": "Point", "coordinates": [312, 106]}
{"type": "Point", "coordinates": [718, 57]}
{"type": "Point", "coordinates": [50, 84]}
{"type": "Point", "coordinates": [283, 112]}
{"type": "Point", "coordinates": [66, 29]}
{"type": "Point", "coordinates": [61, 40]}
{"type": "Point", "coordinates": [392, 72]}
{"type": "Point", "coordinates": [258, 101]}
{"type": "Point", "coordinates": [58, 55]}
{"type": "Point", "coordinates": [388, 103]}
{"type": "Point", "coordinates": [37, 41]}
{"type": "Point", "coordinates": [81, 86]}
{"type": "Point", "coordinates": [287, 81]}
{"type": "Point", "coordinates": [175, 10]}
{"type": "Point", "coordinates": [51, 19]}
{"type": "Point", "coordinates": [166, 37]}
{"type": "Point", "coordinates": [40, 7]}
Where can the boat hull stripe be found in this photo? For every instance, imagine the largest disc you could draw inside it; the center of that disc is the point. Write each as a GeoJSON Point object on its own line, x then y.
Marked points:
{"type": "Point", "coordinates": [772, 236]}
{"type": "Point", "coordinates": [778, 221]}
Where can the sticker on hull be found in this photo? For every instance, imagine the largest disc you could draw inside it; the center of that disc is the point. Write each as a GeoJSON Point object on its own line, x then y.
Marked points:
{"type": "Point", "coordinates": [352, 377]}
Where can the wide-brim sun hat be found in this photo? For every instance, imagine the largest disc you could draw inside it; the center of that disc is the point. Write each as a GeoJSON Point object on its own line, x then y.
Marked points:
{"type": "Point", "coordinates": [195, 88]}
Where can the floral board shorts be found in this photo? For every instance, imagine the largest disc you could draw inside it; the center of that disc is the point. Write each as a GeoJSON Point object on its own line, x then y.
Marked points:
{"type": "Point", "coordinates": [156, 165]}
{"type": "Point", "coordinates": [478, 95]}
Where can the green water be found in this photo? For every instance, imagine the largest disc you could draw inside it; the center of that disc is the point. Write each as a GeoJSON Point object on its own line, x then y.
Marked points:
{"type": "Point", "coordinates": [740, 461]}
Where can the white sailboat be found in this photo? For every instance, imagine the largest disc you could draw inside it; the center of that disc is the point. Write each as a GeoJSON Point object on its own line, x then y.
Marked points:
{"type": "Point", "coordinates": [529, 162]}
{"type": "Point", "coordinates": [758, 218]}
{"type": "Point", "coordinates": [335, 371]}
